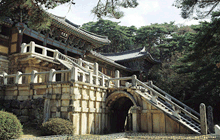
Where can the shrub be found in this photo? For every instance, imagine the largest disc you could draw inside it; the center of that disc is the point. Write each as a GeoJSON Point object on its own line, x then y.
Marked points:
{"type": "Point", "coordinates": [57, 126]}
{"type": "Point", "coordinates": [10, 126]}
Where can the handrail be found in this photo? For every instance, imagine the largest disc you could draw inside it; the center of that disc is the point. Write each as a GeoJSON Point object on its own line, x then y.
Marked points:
{"type": "Point", "coordinates": [174, 99]}
{"type": "Point", "coordinates": [72, 61]}
{"type": "Point", "coordinates": [169, 101]}
{"type": "Point", "coordinates": [121, 78]}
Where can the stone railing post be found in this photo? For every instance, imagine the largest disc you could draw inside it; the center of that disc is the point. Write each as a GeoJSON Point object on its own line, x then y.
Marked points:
{"type": "Point", "coordinates": [210, 119]}
{"type": "Point", "coordinates": [134, 82]}
{"type": "Point", "coordinates": [150, 83]}
{"type": "Point", "coordinates": [23, 48]}
{"type": "Point", "coordinates": [74, 74]}
{"type": "Point", "coordinates": [32, 47]}
{"type": "Point", "coordinates": [18, 78]}
{"type": "Point", "coordinates": [44, 52]}
{"type": "Point", "coordinates": [55, 54]}
{"type": "Point", "coordinates": [176, 112]}
{"type": "Point", "coordinates": [154, 98]}
{"type": "Point", "coordinates": [96, 73]}
{"type": "Point", "coordinates": [127, 84]}
{"type": "Point", "coordinates": [83, 77]}
{"type": "Point", "coordinates": [34, 76]}
{"type": "Point", "coordinates": [117, 82]}
{"type": "Point", "coordinates": [90, 77]}
{"type": "Point", "coordinates": [80, 61]}
{"type": "Point", "coordinates": [52, 76]}
{"type": "Point", "coordinates": [203, 121]}
{"type": "Point", "coordinates": [103, 80]}
{"type": "Point", "coordinates": [5, 79]}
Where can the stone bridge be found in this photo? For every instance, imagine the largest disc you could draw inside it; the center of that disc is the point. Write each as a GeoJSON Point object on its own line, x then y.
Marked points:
{"type": "Point", "coordinates": [97, 103]}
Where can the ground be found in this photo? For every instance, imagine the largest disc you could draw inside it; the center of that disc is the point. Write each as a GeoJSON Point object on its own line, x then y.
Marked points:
{"type": "Point", "coordinates": [32, 133]}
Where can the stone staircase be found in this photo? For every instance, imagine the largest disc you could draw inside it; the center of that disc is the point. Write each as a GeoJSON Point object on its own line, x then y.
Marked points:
{"type": "Point", "coordinates": [169, 105]}
{"type": "Point", "coordinates": [148, 91]}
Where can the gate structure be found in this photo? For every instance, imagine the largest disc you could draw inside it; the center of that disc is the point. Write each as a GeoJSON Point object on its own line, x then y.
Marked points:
{"type": "Point", "coordinates": [94, 102]}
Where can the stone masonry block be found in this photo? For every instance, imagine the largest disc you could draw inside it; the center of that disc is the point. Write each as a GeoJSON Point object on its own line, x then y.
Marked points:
{"type": "Point", "coordinates": [37, 96]}
{"type": "Point", "coordinates": [24, 92]}
{"type": "Point", "coordinates": [53, 109]}
{"type": "Point", "coordinates": [65, 96]}
{"type": "Point", "coordinates": [8, 97]}
{"type": "Point", "coordinates": [84, 104]}
{"type": "Point", "coordinates": [65, 102]}
{"type": "Point", "coordinates": [64, 109]}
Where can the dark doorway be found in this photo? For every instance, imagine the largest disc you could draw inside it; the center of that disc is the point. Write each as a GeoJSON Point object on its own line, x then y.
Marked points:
{"type": "Point", "coordinates": [119, 113]}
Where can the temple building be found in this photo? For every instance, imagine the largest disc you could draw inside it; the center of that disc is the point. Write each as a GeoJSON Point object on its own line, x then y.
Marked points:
{"type": "Point", "coordinates": [70, 40]}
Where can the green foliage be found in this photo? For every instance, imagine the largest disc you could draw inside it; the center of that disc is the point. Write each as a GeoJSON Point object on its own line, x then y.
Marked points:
{"type": "Point", "coordinates": [110, 8]}
{"type": "Point", "coordinates": [201, 63]}
{"type": "Point", "coordinates": [202, 8]}
{"type": "Point", "coordinates": [10, 126]}
{"type": "Point", "coordinates": [57, 126]}
{"type": "Point", "coordinates": [122, 38]}
{"type": "Point", "coordinates": [29, 11]}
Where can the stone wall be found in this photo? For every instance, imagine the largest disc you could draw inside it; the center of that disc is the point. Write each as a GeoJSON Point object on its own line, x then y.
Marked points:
{"type": "Point", "coordinates": [28, 112]}
{"type": "Point", "coordinates": [82, 103]}
{"type": "Point", "coordinates": [3, 63]}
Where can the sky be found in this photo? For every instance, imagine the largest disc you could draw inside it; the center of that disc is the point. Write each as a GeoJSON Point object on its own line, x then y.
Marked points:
{"type": "Point", "coordinates": [147, 12]}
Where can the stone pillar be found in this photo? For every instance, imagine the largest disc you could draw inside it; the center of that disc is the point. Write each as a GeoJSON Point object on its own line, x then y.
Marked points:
{"type": "Point", "coordinates": [203, 121]}
{"type": "Point", "coordinates": [76, 122]}
{"type": "Point", "coordinates": [80, 61]}
{"type": "Point", "coordinates": [217, 130]}
{"type": "Point", "coordinates": [52, 76]}
{"type": "Point", "coordinates": [18, 78]}
{"type": "Point", "coordinates": [117, 82]}
{"type": "Point", "coordinates": [32, 47]}
{"type": "Point", "coordinates": [34, 76]}
{"type": "Point", "coordinates": [23, 48]}
{"type": "Point", "coordinates": [90, 77]}
{"type": "Point", "coordinates": [76, 107]}
{"type": "Point", "coordinates": [46, 109]}
{"type": "Point", "coordinates": [96, 73]}
{"type": "Point", "coordinates": [74, 74]}
{"type": "Point", "coordinates": [134, 83]}
{"type": "Point", "coordinates": [135, 125]}
{"type": "Point", "coordinates": [55, 54]}
{"type": "Point", "coordinates": [210, 119]}
{"type": "Point", "coordinates": [5, 78]}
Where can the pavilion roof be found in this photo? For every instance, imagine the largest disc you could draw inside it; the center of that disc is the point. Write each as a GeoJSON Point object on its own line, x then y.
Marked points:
{"type": "Point", "coordinates": [75, 29]}
{"type": "Point", "coordinates": [139, 53]}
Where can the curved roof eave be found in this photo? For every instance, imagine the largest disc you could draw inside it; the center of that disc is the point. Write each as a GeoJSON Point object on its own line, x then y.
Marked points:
{"type": "Point", "coordinates": [107, 60]}
{"type": "Point", "coordinates": [88, 36]}
{"type": "Point", "coordinates": [132, 55]}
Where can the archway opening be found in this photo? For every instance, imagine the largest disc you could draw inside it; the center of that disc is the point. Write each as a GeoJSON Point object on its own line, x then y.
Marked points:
{"type": "Point", "coordinates": [120, 118]}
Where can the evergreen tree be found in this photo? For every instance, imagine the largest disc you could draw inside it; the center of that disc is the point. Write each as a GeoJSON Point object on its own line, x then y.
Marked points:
{"type": "Point", "coordinates": [197, 9]}
{"type": "Point", "coordinates": [121, 37]}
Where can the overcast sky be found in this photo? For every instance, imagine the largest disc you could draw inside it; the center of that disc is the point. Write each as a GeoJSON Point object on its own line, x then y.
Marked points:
{"type": "Point", "coordinates": [147, 12]}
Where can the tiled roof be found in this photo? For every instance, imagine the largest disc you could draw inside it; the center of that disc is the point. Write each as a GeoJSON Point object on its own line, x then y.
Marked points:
{"type": "Point", "coordinates": [132, 54]}
{"type": "Point", "coordinates": [6, 21]}
{"type": "Point", "coordinates": [88, 36]}
{"type": "Point", "coordinates": [100, 56]}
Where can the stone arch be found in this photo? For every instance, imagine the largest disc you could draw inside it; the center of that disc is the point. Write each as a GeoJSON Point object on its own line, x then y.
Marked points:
{"type": "Point", "coordinates": [119, 104]}
{"type": "Point", "coordinates": [118, 94]}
